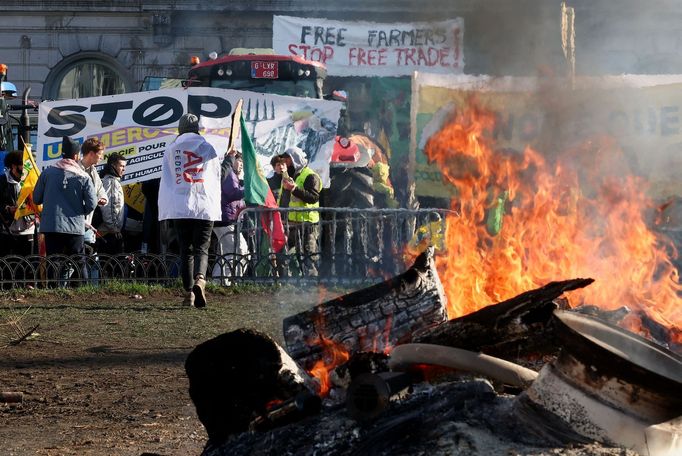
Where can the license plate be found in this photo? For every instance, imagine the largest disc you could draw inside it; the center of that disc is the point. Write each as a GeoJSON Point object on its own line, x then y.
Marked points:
{"type": "Point", "coordinates": [264, 70]}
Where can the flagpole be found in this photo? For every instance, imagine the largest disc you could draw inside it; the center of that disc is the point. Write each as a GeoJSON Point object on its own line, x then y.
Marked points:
{"type": "Point", "coordinates": [34, 240]}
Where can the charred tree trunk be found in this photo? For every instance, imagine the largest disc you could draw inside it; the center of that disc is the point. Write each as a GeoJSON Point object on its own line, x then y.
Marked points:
{"type": "Point", "coordinates": [234, 376]}
{"type": "Point", "coordinates": [373, 318]}
{"type": "Point", "coordinates": [515, 328]}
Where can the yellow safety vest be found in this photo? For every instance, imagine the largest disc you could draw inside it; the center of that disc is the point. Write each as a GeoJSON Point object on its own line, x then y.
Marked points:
{"type": "Point", "coordinates": [312, 216]}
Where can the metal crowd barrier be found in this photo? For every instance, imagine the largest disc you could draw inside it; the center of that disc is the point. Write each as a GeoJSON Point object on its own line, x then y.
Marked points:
{"type": "Point", "coordinates": [76, 270]}
{"type": "Point", "coordinates": [352, 246]}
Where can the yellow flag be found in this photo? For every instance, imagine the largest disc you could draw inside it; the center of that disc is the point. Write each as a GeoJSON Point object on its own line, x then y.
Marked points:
{"type": "Point", "coordinates": [133, 197]}
{"type": "Point", "coordinates": [29, 177]}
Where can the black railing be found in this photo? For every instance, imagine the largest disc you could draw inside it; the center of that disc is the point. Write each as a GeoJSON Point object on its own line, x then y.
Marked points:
{"type": "Point", "coordinates": [352, 246]}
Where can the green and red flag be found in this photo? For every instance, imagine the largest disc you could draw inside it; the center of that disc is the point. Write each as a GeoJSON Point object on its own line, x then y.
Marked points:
{"type": "Point", "coordinates": [257, 191]}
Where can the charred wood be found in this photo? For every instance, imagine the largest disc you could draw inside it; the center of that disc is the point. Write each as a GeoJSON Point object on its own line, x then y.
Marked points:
{"type": "Point", "coordinates": [516, 328]}
{"type": "Point", "coordinates": [609, 316]}
{"type": "Point", "coordinates": [650, 328]}
{"type": "Point", "coordinates": [294, 409]}
{"type": "Point", "coordinates": [358, 364]}
{"type": "Point", "coordinates": [233, 378]}
{"type": "Point", "coordinates": [442, 419]}
{"type": "Point", "coordinates": [371, 319]}
{"type": "Point", "coordinates": [661, 334]}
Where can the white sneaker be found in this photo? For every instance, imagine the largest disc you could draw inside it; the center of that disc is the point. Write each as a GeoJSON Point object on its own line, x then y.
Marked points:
{"type": "Point", "coordinates": [199, 292]}
{"type": "Point", "coordinates": [188, 299]}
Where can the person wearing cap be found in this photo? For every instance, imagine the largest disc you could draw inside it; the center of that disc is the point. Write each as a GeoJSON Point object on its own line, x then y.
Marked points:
{"type": "Point", "coordinates": [189, 196]}
{"type": "Point", "coordinates": [279, 168]}
{"type": "Point", "coordinates": [302, 191]}
{"type": "Point", "coordinates": [67, 194]}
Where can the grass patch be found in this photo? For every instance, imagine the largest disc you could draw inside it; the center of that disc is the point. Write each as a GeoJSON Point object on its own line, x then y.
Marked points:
{"type": "Point", "coordinates": [128, 288]}
{"type": "Point", "coordinates": [120, 288]}
{"type": "Point", "coordinates": [112, 287]}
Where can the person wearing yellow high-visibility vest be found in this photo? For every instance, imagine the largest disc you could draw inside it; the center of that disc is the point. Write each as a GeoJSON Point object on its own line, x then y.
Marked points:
{"type": "Point", "coordinates": [303, 191]}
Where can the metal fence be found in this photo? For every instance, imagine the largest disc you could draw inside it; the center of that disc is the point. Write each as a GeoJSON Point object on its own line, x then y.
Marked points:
{"type": "Point", "coordinates": [77, 270]}
{"type": "Point", "coordinates": [347, 246]}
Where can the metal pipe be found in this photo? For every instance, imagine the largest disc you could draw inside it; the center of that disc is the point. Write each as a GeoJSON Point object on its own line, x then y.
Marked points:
{"type": "Point", "coordinates": [24, 121]}
{"type": "Point", "coordinates": [498, 369]}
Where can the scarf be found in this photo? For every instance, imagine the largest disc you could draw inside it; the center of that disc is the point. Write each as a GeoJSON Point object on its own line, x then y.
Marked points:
{"type": "Point", "coordinates": [72, 166]}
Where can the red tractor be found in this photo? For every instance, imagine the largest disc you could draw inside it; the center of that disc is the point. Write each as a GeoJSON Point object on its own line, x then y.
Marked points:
{"type": "Point", "coordinates": [259, 70]}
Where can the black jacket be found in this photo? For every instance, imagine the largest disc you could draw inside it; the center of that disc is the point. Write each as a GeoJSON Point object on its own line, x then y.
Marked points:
{"type": "Point", "coordinates": [9, 193]}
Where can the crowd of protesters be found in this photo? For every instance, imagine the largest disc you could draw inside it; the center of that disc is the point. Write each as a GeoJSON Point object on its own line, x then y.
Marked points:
{"type": "Point", "coordinates": [199, 197]}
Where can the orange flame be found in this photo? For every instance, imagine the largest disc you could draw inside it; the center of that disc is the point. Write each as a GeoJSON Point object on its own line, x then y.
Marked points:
{"type": "Point", "coordinates": [335, 354]}
{"type": "Point", "coordinates": [579, 213]}
{"type": "Point", "coordinates": [323, 293]}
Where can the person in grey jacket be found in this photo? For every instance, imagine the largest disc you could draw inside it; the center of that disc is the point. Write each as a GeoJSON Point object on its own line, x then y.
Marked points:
{"type": "Point", "coordinates": [67, 194]}
{"type": "Point", "coordinates": [113, 216]}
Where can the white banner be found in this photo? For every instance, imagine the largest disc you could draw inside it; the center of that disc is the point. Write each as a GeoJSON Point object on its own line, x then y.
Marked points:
{"type": "Point", "coordinates": [372, 49]}
{"type": "Point", "coordinates": [140, 125]}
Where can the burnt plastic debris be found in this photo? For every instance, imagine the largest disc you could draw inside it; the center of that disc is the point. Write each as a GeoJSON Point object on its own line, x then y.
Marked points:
{"type": "Point", "coordinates": [370, 394]}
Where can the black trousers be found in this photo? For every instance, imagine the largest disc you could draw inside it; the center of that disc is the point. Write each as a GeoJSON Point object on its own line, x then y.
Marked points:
{"type": "Point", "coordinates": [19, 245]}
{"type": "Point", "coordinates": [194, 237]}
{"type": "Point", "coordinates": [11, 244]}
{"type": "Point", "coordinates": [304, 237]}
{"type": "Point", "coordinates": [64, 243]}
{"type": "Point", "coordinates": [110, 244]}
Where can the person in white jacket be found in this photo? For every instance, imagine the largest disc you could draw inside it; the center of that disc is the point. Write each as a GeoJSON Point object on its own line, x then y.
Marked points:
{"type": "Point", "coordinates": [189, 196]}
{"type": "Point", "coordinates": [113, 214]}
{"type": "Point", "coordinates": [92, 151]}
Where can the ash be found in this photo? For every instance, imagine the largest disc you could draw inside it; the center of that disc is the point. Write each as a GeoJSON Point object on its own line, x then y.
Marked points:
{"type": "Point", "coordinates": [454, 418]}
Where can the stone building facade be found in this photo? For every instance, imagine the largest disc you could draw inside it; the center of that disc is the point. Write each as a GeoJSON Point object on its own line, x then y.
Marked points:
{"type": "Point", "coordinates": [58, 47]}
{"type": "Point", "coordinates": [123, 41]}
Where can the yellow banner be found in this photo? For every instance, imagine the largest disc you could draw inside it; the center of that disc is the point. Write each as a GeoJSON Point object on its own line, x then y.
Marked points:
{"type": "Point", "coordinates": [643, 113]}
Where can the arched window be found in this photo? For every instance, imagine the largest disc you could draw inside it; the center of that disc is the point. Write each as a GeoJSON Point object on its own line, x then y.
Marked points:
{"type": "Point", "coordinates": [86, 75]}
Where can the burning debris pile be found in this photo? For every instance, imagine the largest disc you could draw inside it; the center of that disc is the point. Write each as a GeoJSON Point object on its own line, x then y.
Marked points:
{"type": "Point", "coordinates": [253, 397]}
{"type": "Point", "coordinates": [526, 219]}
{"type": "Point", "coordinates": [388, 369]}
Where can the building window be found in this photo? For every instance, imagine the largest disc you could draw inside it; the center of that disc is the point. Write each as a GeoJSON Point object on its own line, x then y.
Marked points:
{"type": "Point", "coordinates": [90, 79]}
{"type": "Point", "coordinates": [86, 76]}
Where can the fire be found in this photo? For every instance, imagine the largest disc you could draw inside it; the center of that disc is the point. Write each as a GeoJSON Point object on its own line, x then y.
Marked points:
{"type": "Point", "coordinates": [334, 355]}
{"type": "Point", "coordinates": [526, 219]}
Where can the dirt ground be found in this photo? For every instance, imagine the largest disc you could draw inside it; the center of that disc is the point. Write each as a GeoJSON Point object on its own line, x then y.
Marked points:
{"type": "Point", "coordinates": [105, 374]}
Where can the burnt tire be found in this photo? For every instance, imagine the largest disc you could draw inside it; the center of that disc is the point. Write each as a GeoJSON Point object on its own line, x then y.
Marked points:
{"type": "Point", "coordinates": [351, 187]}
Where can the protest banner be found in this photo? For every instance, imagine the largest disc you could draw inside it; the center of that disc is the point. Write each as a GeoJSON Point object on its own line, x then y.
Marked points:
{"type": "Point", "coordinates": [141, 125]}
{"type": "Point", "coordinates": [133, 196]}
{"type": "Point", "coordinates": [360, 48]}
{"type": "Point", "coordinates": [642, 113]}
